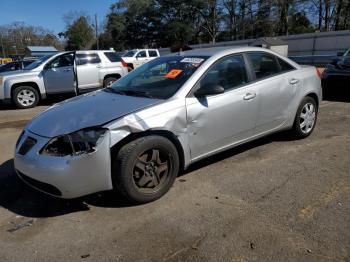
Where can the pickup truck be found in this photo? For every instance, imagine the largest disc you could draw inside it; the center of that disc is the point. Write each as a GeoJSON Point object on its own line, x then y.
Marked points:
{"type": "Point", "coordinates": [336, 77]}
{"type": "Point", "coordinates": [66, 72]}
{"type": "Point", "coordinates": [136, 57]}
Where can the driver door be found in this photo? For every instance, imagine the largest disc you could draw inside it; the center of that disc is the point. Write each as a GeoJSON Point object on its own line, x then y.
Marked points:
{"type": "Point", "coordinates": [58, 74]}
{"type": "Point", "coordinates": [218, 121]}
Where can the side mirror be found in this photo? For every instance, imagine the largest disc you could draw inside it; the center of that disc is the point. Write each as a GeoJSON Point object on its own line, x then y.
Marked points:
{"type": "Point", "coordinates": [208, 90]}
{"type": "Point", "coordinates": [340, 53]}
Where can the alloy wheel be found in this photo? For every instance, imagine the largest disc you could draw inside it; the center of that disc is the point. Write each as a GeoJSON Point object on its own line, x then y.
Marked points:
{"type": "Point", "coordinates": [307, 118]}
{"type": "Point", "coordinates": [151, 170]}
{"type": "Point", "coordinates": [26, 97]}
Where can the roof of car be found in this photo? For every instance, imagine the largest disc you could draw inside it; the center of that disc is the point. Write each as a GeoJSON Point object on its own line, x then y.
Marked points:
{"type": "Point", "coordinates": [92, 51]}
{"type": "Point", "coordinates": [217, 50]}
{"type": "Point", "coordinates": [42, 48]}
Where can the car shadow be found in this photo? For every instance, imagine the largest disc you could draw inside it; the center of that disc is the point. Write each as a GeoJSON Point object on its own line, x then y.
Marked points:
{"type": "Point", "coordinates": [47, 102]}
{"type": "Point", "coordinates": [22, 200]}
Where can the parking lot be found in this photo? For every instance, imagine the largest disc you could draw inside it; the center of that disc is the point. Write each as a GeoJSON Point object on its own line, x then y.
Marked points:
{"type": "Point", "coordinates": [273, 199]}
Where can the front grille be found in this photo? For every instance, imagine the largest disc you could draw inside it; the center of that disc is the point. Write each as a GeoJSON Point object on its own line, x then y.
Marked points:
{"type": "Point", "coordinates": [40, 185]}
{"type": "Point", "coordinates": [28, 143]}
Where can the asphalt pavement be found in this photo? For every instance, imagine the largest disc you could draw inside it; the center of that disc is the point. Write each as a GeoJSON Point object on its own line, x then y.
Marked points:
{"type": "Point", "coordinates": [275, 199]}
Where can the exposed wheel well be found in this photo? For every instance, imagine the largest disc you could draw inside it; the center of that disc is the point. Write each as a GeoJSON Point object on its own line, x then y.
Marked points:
{"type": "Point", "coordinates": [164, 133]}
{"type": "Point", "coordinates": [112, 75]}
{"type": "Point", "coordinates": [315, 97]}
{"type": "Point", "coordinates": [32, 84]}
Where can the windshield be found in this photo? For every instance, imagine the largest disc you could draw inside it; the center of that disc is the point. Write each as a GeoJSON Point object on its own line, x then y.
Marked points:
{"type": "Point", "coordinates": [160, 78]}
{"type": "Point", "coordinates": [36, 63]}
{"type": "Point", "coordinates": [129, 54]}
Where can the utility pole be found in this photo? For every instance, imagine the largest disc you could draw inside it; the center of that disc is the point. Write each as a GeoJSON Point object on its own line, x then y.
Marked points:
{"type": "Point", "coordinates": [96, 32]}
{"type": "Point", "coordinates": [2, 47]}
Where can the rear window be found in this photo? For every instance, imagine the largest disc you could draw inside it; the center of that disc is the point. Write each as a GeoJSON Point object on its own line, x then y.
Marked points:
{"type": "Point", "coordinates": [112, 56]}
{"type": "Point", "coordinates": [152, 53]}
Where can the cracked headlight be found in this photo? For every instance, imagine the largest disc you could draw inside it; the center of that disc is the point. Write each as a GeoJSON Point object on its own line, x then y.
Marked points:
{"type": "Point", "coordinates": [77, 143]}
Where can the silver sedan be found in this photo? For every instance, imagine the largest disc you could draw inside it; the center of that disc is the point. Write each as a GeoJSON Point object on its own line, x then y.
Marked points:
{"type": "Point", "coordinates": [137, 135]}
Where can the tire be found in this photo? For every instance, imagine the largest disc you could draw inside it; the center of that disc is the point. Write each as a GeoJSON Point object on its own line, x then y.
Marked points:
{"type": "Point", "coordinates": [304, 126]}
{"type": "Point", "coordinates": [136, 177]}
{"type": "Point", "coordinates": [25, 97]}
{"type": "Point", "coordinates": [109, 81]}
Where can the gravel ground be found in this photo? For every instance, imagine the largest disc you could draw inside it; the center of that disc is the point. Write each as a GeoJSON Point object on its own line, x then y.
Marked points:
{"type": "Point", "coordinates": [271, 200]}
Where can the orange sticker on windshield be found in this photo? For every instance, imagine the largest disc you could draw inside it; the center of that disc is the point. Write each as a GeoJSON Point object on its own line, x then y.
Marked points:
{"type": "Point", "coordinates": [173, 73]}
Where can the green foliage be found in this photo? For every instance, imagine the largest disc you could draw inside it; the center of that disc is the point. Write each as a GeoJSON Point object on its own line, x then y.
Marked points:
{"type": "Point", "coordinates": [79, 35]}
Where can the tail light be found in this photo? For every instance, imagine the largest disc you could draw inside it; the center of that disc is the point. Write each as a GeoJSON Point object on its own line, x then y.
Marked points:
{"type": "Point", "coordinates": [318, 71]}
{"type": "Point", "coordinates": [123, 63]}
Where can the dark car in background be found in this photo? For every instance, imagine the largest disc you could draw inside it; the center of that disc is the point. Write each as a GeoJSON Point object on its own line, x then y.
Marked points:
{"type": "Point", "coordinates": [16, 65]}
{"type": "Point", "coordinates": [336, 77]}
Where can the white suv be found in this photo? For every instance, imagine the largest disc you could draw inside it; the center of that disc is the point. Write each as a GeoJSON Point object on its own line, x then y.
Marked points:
{"type": "Point", "coordinates": [136, 57]}
{"type": "Point", "coordinates": [99, 68]}
{"type": "Point", "coordinates": [67, 72]}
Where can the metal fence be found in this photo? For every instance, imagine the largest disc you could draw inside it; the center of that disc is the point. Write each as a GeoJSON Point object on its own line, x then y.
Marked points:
{"type": "Point", "coordinates": [322, 43]}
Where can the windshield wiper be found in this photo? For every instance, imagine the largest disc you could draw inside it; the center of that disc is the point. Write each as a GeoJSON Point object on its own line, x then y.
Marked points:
{"type": "Point", "coordinates": [115, 91]}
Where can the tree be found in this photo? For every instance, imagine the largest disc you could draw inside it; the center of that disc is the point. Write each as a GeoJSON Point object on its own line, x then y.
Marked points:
{"type": "Point", "coordinates": [79, 34]}
{"type": "Point", "coordinates": [210, 13]}
{"type": "Point", "coordinates": [299, 23]}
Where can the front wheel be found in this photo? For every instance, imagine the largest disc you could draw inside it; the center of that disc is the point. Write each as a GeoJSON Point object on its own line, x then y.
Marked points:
{"type": "Point", "coordinates": [306, 117]}
{"type": "Point", "coordinates": [146, 168]}
{"type": "Point", "coordinates": [25, 97]}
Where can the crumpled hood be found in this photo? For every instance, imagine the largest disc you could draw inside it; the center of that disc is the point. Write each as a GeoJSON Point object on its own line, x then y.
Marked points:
{"type": "Point", "coordinates": [93, 109]}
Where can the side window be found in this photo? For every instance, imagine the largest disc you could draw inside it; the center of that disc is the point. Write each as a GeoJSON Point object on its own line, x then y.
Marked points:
{"type": "Point", "coordinates": [152, 53]}
{"type": "Point", "coordinates": [94, 58]}
{"type": "Point", "coordinates": [285, 66]}
{"type": "Point", "coordinates": [83, 59]}
{"type": "Point", "coordinates": [229, 72]}
{"type": "Point", "coordinates": [264, 64]}
{"type": "Point", "coordinates": [62, 61]}
{"type": "Point", "coordinates": [141, 54]}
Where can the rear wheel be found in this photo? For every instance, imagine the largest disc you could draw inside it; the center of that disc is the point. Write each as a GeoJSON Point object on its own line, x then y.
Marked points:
{"type": "Point", "coordinates": [146, 168]}
{"type": "Point", "coordinates": [306, 118]}
{"type": "Point", "coordinates": [25, 97]}
{"type": "Point", "coordinates": [109, 81]}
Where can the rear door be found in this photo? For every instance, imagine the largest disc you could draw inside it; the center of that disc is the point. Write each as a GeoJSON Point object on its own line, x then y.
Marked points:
{"type": "Point", "coordinates": [275, 88]}
{"type": "Point", "coordinates": [218, 121]}
{"type": "Point", "coordinates": [152, 54]}
{"type": "Point", "coordinates": [88, 66]}
{"type": "Point", "coordinates": [58, 74]}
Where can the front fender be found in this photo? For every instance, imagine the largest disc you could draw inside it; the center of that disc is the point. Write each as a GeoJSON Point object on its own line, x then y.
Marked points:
{"type": "Point", "coordinates": [10, 82]}
{"type": "Point", "coordinates": [169, 116]}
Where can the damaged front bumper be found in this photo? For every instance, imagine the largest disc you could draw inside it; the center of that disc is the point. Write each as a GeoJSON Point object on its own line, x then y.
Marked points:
{"type": "Point", "coordinates": [65, 177]}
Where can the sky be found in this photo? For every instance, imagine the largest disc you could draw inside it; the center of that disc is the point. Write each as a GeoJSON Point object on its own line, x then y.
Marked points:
{"type": "Point", "coordinates": [49, 13]}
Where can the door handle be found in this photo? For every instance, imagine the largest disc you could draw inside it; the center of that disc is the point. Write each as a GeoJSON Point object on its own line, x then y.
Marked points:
{"type": "Point", "coordinates": [67, 70]}
{"type": "Point", "coordinates": [293, 81]}
{"type": "Point", "coordinates": [249, 96]}
{"type": "Point", "coordinates": [98, 66]}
